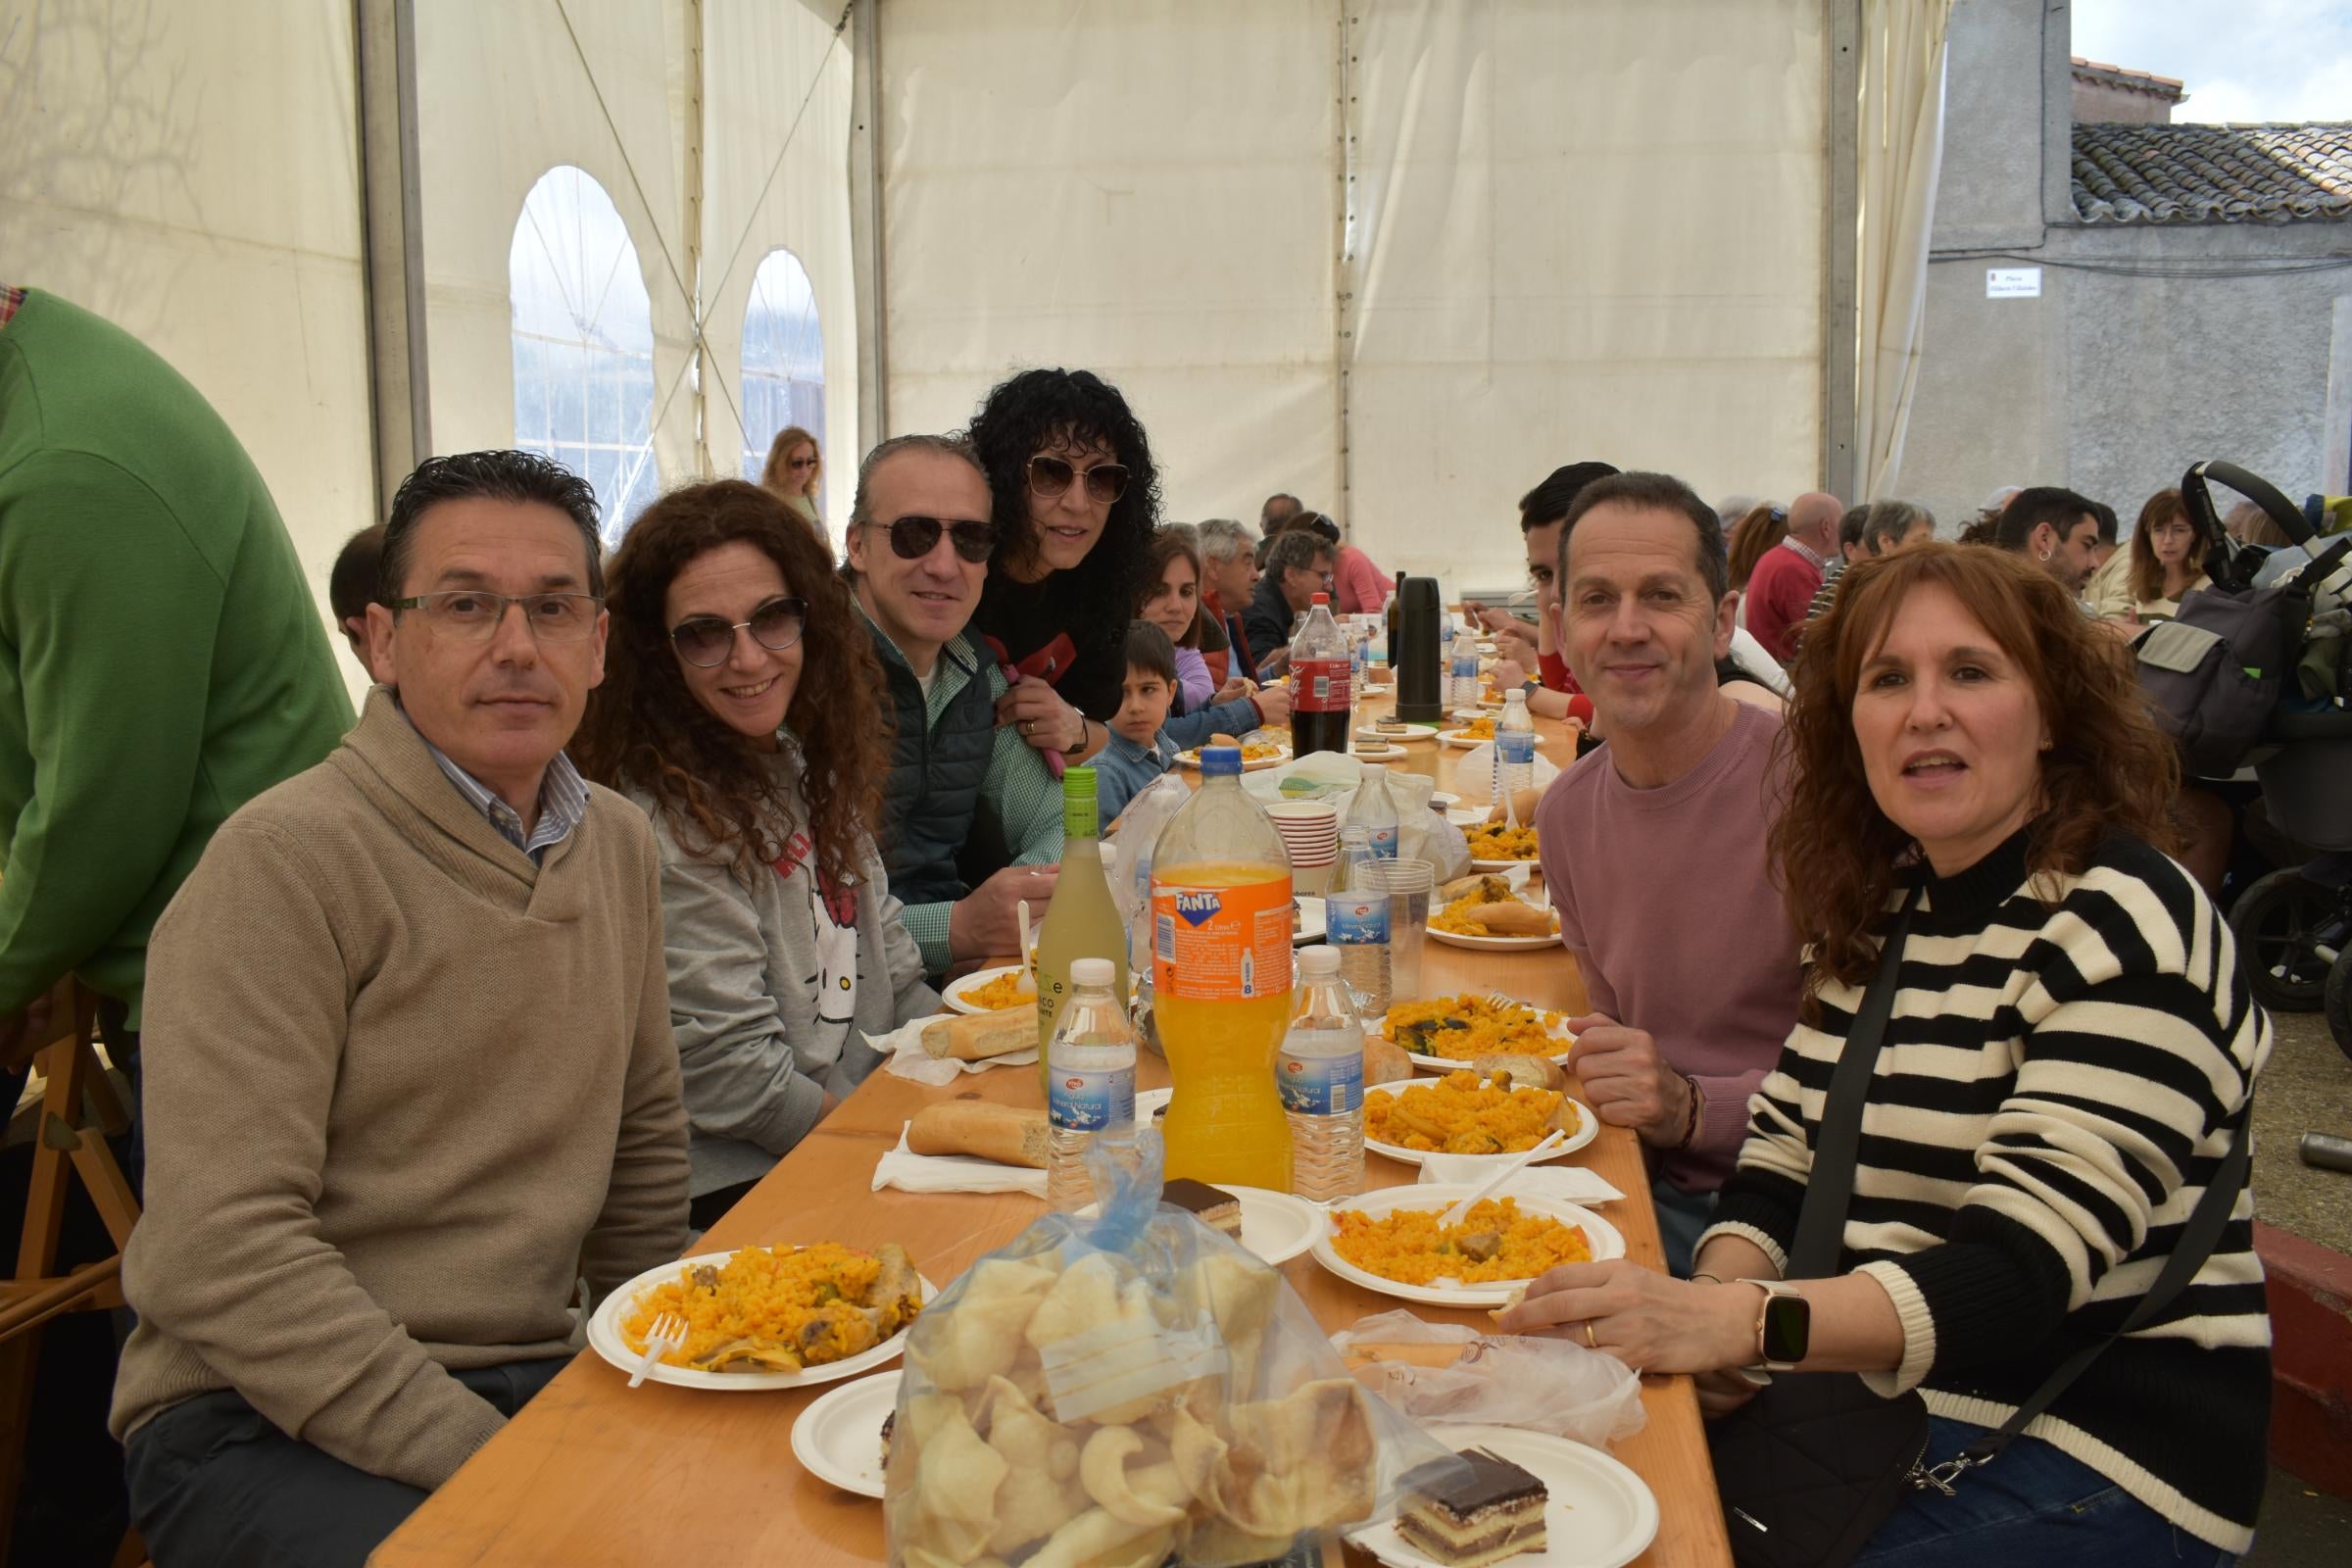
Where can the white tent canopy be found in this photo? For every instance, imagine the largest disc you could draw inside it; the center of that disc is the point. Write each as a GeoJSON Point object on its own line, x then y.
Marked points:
{"type": "Point", "coordinates": [1398, 257]}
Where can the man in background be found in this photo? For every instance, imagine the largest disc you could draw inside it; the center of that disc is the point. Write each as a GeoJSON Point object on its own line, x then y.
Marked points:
{"type": "Point", "coordinates": [350, 587]}
{"type": "Point", "coordinates": [1298, 568]}
{"type": "Point", "coordinates": [1229, 575]}
{"type": "Point", "coordinates": [1781, 590]}
{"type": "Point", "coordinates": [1278, 509]}
{"type": "Point", "coordinates": [2055, 528]}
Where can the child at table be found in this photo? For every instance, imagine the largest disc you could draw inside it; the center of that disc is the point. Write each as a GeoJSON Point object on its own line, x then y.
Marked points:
{"type": "Point", "coordinates": [1139, 752]}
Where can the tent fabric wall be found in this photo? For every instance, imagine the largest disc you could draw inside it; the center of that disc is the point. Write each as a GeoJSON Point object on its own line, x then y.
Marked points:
{"type": "Point", "coordinates": [1143, 190]}
{"type": "Point", "coordinates": [191, 172]}
{"type": "Point", "coordinates": [505, 93]}
{"type": "Point", "coordinates": [1585, 232]}
{"type": "Point", "coordinates": [1901, 154]}
{"type": "Point", "coordinates": [1162, 192]}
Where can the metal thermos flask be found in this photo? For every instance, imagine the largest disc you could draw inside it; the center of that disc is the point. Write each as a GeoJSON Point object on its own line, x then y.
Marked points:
{"type": "Point", "coordinates": [1420, 697]}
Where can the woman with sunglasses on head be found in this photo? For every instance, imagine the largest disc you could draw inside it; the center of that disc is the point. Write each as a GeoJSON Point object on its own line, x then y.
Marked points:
{"type": "Point", "coordinates": [1076, 496]}
{"type": "Point", "coordinates": [2061, 1071]}
{"type": "Point", "coordinates": [796, 467]}
{"type": "Point", "coordinates": [738, 710]}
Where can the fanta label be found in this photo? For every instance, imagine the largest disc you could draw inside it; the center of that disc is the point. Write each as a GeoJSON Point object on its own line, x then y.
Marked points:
{"type": "Point", "coordinates": [1230, 943]}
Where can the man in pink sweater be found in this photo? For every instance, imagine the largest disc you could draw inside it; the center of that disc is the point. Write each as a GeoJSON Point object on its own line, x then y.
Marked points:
{"type": "Point", "coordinates": [1654, 845]}
{"type": "Point", "coordinates": [1781, 590]}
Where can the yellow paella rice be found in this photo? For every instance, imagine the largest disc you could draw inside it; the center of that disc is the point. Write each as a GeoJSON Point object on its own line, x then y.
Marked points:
{"type": "Point", "coordinates": [1012, 989]}
{"type": "Point", "coordinates": [1461, 917]}
{"type": "Point", "coordinates": [1463, 1027]}
{"type": "Point", "coordinates": [1461, 1113]}
{"type": "Point", "coordinates": [1494, 1242]}
{"type": "Point", "coordinates": [781, 1308]}
{"type": "Point", "coordinates": [1481, 728]}
{"type": "Point", "coordinates": [1496, 841]}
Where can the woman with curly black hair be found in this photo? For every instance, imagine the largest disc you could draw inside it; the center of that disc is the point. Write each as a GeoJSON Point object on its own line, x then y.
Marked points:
{"type": "Point", "coordinates": [1076, 498]}
{"type": "Point", "coordinates": [738, 711]}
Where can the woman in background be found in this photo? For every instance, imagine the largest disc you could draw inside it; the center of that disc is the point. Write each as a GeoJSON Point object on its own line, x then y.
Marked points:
{"type": "Point", "coordinates": [2168, 561]}
{"type": "Point", "coordinates": [1765, 525]}
{"type": "Point", "coordinates": [738, 710]}
{"type": "Point", "coordinates": [796, 467]}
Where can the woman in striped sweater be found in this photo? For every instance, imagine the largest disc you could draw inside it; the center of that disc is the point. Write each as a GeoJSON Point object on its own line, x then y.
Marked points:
{"type": "Point", "coordinates": [2069, 1053]}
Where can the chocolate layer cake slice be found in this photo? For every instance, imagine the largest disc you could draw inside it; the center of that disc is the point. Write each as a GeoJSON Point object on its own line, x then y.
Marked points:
{"type": "Point", "coordinates": [1213, 1207]}
{"type": "Point", "coordinates": [1496, 1513]}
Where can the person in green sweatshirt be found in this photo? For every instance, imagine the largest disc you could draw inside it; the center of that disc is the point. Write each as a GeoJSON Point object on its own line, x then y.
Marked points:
{"type": "Point", "coordinates": [162, 660]}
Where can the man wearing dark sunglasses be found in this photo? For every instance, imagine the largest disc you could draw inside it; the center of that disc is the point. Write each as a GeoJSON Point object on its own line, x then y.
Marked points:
{"type": "Point", "coordinates": [971, 820]}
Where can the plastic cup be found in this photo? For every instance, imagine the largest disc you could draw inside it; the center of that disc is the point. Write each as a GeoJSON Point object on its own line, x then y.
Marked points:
{"type": "Point", "coordinates": [1411, 885]}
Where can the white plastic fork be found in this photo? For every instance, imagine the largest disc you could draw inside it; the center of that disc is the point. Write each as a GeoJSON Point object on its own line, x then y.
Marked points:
{"type": "Point", "coordinates": [667, 1334]}
{"type": "Point", "coordinates": [1485, 1189]}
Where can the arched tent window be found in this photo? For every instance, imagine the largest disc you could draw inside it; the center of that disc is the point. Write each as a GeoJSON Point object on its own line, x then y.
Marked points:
{"type": "Point", "coordinates": [783, 359]}
{"type": "Point", "coordinates": [583, 343]}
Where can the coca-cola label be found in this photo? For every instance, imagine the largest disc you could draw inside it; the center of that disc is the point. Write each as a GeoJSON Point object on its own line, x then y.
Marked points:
{"type": "Point", "coordinates": [1321, 685]}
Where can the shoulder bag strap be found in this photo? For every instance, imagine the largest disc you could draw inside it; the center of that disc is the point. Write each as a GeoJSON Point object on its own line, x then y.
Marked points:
{"type": "Point", "coordinates": [2198, 1237]}
{"type": "Point", "coordinates": [1830, 1186]}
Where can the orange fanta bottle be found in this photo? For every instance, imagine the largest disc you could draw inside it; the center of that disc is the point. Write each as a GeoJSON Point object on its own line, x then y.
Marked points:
{"type": "Point", "coordinates": [1221, 978]}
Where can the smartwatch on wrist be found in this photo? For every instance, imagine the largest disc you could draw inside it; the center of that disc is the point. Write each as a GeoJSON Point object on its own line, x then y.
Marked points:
{"type": "Point", "coordinates": [1784, 1326]}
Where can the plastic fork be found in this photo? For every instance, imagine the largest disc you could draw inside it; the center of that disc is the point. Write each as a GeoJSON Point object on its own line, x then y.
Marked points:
{"type": "Point", "coordinates": [1493, 1184]}
{"type": "Point", "coordinates": [668, 1333]}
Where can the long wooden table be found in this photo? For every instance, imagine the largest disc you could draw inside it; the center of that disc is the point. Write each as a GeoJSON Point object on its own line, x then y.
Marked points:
{"type": "Point", "coordinates": [592, 1473]}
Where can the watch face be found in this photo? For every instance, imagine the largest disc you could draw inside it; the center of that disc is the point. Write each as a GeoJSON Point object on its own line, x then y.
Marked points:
{"type": "Point", "coordinates": [1788, 1328]}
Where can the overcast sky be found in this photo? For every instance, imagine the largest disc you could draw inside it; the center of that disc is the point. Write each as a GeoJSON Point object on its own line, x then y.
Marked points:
{"type": "Point", "coordinates": [2245, 60]}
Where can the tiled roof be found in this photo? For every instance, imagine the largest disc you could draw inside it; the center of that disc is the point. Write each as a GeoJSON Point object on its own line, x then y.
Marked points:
{"type": "Point", "coordinates": [2212, 173]}
{"type": "Point", "coordinates": [2164, 87]}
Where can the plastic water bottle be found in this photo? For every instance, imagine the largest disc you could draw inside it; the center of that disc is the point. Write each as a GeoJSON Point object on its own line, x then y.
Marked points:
{"type": "Point", "coordinates": [1322, 1078]}
{"type": "Point", "coordinates": [1355, 921]}
{"type": "Point", "coordinates": [1092, 1065]}
{"type": "Point", "coordinates": [1515, 750]}
{"type": "Point", "coordinates": [1461, 690]}
{"type": "Point", "coordinates": [1375, 812]}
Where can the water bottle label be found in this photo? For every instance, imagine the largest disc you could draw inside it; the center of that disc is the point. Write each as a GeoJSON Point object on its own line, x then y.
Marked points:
{"type": "Point", "coordinates": [1089, 1099]}
{"type": "Point", "coordinates": [1516, 747]}
{"type": "Point", "coordinates": [1321, 685]}
{"type": "Point", "coordinates": [1354, 917]}
{"type": "Point", "coordinates": [1321, 1086]}
{"type": "Point", "coordinates": [1384, 843]}
{"type": "Point", "coordinates": [1222, 943]}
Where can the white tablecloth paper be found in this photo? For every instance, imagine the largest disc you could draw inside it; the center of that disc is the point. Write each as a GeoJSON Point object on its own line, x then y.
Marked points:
{"type": "Point", "coordinates": [911, 1172]}
{"type": "Point", "coordinates": [906, 1058]}
{"type": "Point", "coordinates": [1570, 1183]}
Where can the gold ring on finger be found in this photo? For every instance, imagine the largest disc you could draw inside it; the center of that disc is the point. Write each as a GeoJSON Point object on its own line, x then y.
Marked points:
{"type": "Point", "coordinates": [1589, 1336]}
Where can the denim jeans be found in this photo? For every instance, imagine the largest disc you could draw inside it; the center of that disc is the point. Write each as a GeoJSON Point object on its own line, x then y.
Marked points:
{"type": "Point", "coordinates": [214, 1484]}
{"type": "Point", "coordinates": [2034, 1506]}
{"type": "Point", "coordinates": [1683, 1218]}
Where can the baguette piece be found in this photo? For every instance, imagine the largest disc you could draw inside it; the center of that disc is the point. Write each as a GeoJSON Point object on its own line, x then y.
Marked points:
{"type": "Point", "coordinates": [1005, 1134]}
{"type": "Point", "coordinates": [1526, 1071]}
{"type": "Point", "coordinates": [1523, 802]}
{"type": "Point", "coordinates": [978, 1036]}
{"type": "Point", "coordinates": [1512, 918]}
{"type": "Point", "coordinates": [1386, 1063]}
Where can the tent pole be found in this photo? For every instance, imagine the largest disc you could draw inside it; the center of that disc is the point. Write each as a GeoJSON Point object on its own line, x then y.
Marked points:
{"type": "Point", "coordinates": [866, 248]}
{"type": "Point", "coordinates": [1841, 239]}
{"type": "Point", "coordinates": [392, 241]}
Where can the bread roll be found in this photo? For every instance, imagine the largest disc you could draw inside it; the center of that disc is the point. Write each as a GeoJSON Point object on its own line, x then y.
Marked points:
{"type": "Point", "coordinates": [1220, 738]}
{"type": "Point", "coordinates": [1523, 802]}
{"type": "Point", "coordinates": [1386, 1063]}
{"type": "Point", "coordinates": [1526, 1071]}
{"type": "Point", "coordinates": [1002, 1133]}
{"type": "Point", "coordinates": [978, 1036]}
{"type": "Point", "coordinates": [1514, 920]}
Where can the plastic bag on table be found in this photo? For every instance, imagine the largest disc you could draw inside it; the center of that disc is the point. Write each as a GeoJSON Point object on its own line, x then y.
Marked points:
{"type": "Point", "coordinates": [1427, 836]}
{"type": "Point", "coordinates": [1114, 1392]}
{"type": "Point", "coordinates": [1501, 1380]}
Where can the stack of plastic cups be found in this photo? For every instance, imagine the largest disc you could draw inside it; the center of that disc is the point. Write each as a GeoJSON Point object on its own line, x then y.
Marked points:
{"type": "Point", "coordinates": [1411, 885]}
{"type": "Point", "coordinates": [1310, 835]}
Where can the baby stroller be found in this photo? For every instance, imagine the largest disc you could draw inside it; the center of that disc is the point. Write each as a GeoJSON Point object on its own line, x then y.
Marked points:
{"type": "Point", "coordinates": [2294, 927]}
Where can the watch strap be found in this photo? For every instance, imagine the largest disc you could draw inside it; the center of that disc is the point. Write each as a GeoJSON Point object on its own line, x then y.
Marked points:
{"type": "Point", "coordinates": [1830, 1186]}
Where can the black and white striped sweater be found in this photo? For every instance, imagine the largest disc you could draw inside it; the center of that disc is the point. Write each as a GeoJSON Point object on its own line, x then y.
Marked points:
{"type": "Point", "coordinates": [2058, 1082]}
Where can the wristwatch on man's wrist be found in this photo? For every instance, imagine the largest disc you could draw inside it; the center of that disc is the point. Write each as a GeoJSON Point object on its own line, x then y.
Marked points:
{"type": "Point", "coordinates": [1078, 745]}
{"type": "Point", "coordinates": [1784, 1326]}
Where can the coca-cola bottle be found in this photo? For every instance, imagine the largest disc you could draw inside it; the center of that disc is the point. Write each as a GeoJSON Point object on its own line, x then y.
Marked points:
{"type": "Point", "coordinates": [1321, 683]}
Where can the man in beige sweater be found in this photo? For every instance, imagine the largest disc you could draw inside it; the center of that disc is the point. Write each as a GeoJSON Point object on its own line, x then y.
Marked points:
{"type": "Point", "coordinates": [411, 1072]}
